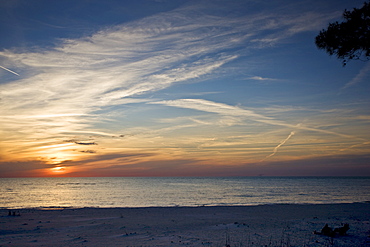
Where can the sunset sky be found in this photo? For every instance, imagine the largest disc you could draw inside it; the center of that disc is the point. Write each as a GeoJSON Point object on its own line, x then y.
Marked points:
{"type": "Point", "coordinates": [178, 88]}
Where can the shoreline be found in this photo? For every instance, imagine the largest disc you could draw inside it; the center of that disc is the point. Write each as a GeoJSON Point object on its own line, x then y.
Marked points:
{"type": "Point", "coordinates": [271, 225]}
{"type": "Point", "coordinates": [175, 206]}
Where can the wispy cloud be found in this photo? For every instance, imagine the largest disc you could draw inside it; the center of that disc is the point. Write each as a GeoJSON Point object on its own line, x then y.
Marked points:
{"type": "Point", "coordinates": [259, 78]}
{"type": "Point", "coordinates": [210, 106]}
{"type": "Point", "coordinates": [88, 151]}
{"type": "Point", "coordinates": [86, 143]}
{"type": "Point", "coordinates": [228, 110]}
{"type": "Point", "coordinates": [69, 90]}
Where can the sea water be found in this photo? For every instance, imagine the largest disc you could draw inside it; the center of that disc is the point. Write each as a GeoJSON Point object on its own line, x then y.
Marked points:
{"type": "Point", "coordinates": [169, 192]}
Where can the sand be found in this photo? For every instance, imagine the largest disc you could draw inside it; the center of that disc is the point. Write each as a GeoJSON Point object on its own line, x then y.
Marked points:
{"type": "Point", "coordinates": [264, 225]}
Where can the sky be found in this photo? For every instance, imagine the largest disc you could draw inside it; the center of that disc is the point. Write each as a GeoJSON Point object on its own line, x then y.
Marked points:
{"type": "Point", "coordinates": [178, 88]}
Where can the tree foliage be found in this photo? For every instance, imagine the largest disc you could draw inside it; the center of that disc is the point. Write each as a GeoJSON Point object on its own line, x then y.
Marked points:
{"type": "Point", "coordinates": [349, 39]}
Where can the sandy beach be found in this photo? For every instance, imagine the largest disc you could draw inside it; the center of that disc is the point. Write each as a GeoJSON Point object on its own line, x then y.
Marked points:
{"type": "Point", "coordinates": [265, 225]}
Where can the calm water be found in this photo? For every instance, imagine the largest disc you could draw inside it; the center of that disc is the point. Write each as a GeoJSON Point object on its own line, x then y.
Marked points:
{"type": "Point", "coordinates": [146, 192]}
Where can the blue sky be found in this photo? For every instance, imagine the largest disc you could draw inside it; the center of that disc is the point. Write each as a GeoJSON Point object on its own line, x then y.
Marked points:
{"type": "Point", "coordinates": [178, 88]}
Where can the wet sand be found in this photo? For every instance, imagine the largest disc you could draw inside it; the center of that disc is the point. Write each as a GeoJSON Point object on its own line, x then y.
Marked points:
{"type": "Point", "coordinates": [265, 225]}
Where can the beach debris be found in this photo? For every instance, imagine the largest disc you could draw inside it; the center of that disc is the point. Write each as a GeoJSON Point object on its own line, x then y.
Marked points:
{"type": "Point", "coordinates": [227, 242]}
{"type": "Point", "coordinates": [129, 234]}
{"type": "Point", "coordinates": [14, 213]}
{"type": "Point", "coordinates": [328, 231]}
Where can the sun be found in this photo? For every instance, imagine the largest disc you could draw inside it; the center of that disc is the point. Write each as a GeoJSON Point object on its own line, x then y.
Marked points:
{"type": "Point", "coordinates": [58, 169]}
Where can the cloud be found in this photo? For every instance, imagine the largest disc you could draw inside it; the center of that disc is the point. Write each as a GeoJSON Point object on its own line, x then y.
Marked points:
{"type": "Point", "coordinates": [68, 91]}
{"type": "Point", "coordinates": [209, 106]}
{"type": "Point", "coordinates": [228, 110]}
{"type": "Point", "coordinates": [282, 25]}
{"type": "Point", "coordinates": [158, 167]}
{"type": "Point", "coordinates": [29, 168]}
{"type": "Point", "coordinates": [259, 78]}
{"type": "Point", "coordinates": [325, 165]}
{"type": "Point", "coordinates": [86, 143]}
{"type": "Point", "coordinates": [220, 108]}
{"type": "Point", "coordinates": [79, 142]}
{"type": "Point", "coordinates": [114, 165]}
{"type": "Point", "coordinates": [88, 151]}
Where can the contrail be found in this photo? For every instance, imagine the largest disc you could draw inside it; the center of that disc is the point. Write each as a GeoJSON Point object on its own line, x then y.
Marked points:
{"type": "Point", "coordinates": [281, 143]}
{"type": "Point", "coordinates": [9, 70]}
{"type": "Point", "coordinates": [359, 77]}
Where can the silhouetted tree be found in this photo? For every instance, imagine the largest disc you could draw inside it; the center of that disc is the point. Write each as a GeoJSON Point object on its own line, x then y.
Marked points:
{"type": "Point", "coordinates": [349, 39]}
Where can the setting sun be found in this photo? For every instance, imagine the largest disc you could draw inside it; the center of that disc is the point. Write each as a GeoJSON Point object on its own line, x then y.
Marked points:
{"type": "Point", "coordinates": [59, 169]}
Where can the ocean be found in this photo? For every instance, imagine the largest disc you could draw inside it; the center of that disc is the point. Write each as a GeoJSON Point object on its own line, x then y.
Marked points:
{"type": "Point", "coordinates": [170, 192]}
